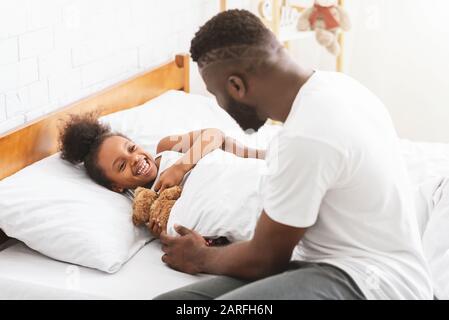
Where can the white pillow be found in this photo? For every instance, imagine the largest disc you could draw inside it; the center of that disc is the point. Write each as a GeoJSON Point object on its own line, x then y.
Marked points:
{"type": "Point", "coordinates": [221, 197]}
{"type": "Point", "coordinates": [54, 208]}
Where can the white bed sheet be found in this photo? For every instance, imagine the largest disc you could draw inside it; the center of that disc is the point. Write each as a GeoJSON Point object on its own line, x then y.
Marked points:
{"type": "Point", "coordinates": [27, 274]}
{"type": "Point", "coordinates": [428, 166]}
{"type": "Point", "coordinates": [425, 160]}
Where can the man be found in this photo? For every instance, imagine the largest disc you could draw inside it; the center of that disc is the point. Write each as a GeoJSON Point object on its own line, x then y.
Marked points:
{"type": "Point", "coordinates": [338, 219]}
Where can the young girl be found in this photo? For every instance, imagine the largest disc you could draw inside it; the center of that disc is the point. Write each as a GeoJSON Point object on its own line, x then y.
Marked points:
{"type": "Point", "coordinates": [114, 161]}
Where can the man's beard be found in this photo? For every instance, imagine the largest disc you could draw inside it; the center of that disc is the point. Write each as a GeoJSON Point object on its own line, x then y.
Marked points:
{"type": "Point", "coordinates": [245, 115]}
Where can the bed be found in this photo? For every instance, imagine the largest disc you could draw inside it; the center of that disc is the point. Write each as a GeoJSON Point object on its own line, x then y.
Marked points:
{"type": "Point", "coordinates": [28, 274]}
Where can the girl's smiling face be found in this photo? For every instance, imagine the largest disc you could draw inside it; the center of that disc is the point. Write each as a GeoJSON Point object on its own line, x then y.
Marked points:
{"type": "Point", "coordinates": [126, 164]}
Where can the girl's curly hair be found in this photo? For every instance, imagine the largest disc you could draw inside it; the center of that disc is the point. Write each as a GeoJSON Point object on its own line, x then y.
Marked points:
{"type": "Point", "coordinates": [80, 139]}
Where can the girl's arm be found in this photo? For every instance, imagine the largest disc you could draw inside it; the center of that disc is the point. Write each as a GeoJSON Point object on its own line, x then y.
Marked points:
{"type": "Point", "coordinates": [211, 139]}
{"type": "Point", "coordinates": [233, 146]}
{"type": "Point", "coordinates": [195, 145]}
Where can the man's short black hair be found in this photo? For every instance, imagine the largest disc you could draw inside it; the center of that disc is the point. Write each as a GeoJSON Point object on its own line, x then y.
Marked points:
{"type": "Point", "coordinates": [232, 28]}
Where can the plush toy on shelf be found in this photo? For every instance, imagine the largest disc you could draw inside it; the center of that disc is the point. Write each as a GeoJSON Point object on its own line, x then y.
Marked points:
{"type": "Point", "coordinates": [326, 18]}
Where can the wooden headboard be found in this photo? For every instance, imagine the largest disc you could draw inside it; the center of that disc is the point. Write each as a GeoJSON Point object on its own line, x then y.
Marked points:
{"type": "Point", "coordinates": [39, 139]}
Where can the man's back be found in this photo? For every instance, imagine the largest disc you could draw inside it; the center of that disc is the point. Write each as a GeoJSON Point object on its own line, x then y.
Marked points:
{"type": "Point", "coordinates": [351, 189]}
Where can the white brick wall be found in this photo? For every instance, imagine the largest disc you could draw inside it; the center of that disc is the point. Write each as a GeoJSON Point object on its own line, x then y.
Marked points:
{"type": "Point", "coordinates": [28, 72]}
{"type": "Point", "coordinates": [8, 51]}
{"type": "Point", "coordinates": [2, 108]}
{"type": "Point", "coordinates": [53, 52]}
{"type": "Point", "coordinates": [13, 18]}
{"type": "Point", "coordinates": [17, 75]}
{"type": "Point", "coordinates": [33, 44]}
{"type": "Point", "coordinates": [16, 103]}
{"type": "Point", "coordinates": [108, 67]}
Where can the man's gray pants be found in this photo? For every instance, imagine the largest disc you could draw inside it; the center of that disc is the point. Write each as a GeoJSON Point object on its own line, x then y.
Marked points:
{"type": "Point", "coordinates": [302, 281]}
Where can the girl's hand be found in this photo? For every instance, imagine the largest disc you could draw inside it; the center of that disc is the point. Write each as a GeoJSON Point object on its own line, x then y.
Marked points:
{"type": "Point", "coordinates": [170, 177]}
{"type": "Point", "coordinates": [155, 228]}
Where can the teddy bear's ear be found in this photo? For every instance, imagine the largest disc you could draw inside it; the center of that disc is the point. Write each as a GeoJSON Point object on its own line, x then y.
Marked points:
{"type": "Point", "coordinates": [138, 190]}
{"type": "Point", "coordinates": [172, 193]}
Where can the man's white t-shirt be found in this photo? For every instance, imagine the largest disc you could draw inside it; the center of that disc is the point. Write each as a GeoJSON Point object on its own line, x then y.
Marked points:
{"type": "Point", "coordinates": [336, 169]}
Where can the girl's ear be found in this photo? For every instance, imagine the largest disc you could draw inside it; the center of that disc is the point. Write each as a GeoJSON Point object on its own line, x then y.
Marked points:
{"type": "Point", "coordinates": [117, 189]}
{"type": "Point", "coordinates": [236, 87]}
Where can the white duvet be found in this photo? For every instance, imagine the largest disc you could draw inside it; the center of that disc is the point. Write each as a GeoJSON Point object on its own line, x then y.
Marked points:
{"type": "Point", "coordinates": [221, 197]}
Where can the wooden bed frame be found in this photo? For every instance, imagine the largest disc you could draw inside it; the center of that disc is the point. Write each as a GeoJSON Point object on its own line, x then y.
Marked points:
{"type": "Point", "coordinates": [39, 139]}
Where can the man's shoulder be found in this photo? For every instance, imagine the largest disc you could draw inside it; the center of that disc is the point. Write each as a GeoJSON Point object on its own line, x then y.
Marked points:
{"type": "Point", "coordinates": [293, 141]}
{"type": "Point", "coordinates": [325, 84]}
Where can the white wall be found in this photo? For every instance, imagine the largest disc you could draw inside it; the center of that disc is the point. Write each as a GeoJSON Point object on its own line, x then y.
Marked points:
{"type": "Point", "coordinates": [400, 50]}
{"type": "Point", "coordinates": [53, 52]}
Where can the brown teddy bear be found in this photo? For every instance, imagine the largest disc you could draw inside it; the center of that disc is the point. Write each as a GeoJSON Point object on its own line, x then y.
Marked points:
{"type": "Point", "coordinates": [149, 205]}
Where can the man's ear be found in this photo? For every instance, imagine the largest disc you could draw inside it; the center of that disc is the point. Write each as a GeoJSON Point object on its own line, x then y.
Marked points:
{"type": "Point", "coordinates": [236, 87]}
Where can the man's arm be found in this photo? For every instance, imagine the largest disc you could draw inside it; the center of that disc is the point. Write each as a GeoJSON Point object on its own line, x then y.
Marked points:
{"type": "Point", "coordinates": [267, 253]}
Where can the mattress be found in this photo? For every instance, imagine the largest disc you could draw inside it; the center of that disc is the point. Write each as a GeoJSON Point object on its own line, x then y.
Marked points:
{"type": "Point", "coordinates": [26, 274]}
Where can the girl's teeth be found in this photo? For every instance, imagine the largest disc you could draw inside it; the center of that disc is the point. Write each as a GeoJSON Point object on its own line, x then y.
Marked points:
{"type": "Point", "coordinates": [143, 168]}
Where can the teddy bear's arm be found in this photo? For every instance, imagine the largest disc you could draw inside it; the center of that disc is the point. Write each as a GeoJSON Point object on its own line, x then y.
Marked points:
{"type": "Point", "coordinates": [303, 21]}
{"type": "Point", "coordinates": [143, 199]}
{"type": "Point", "coordinates": [172, 193]}
{"type": "Point", "coordinates": [345, 22]}
{"type": "Point", "coordinates": [160, 213]}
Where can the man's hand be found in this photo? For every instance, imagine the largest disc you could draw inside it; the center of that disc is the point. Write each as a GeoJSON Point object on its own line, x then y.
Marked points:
{"type": "Point", "coordinates": [267, 253]}
{"type": "Point", "coordinates": [171, 177]}
{"type": "Point", "coordinates": [184, 253]}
